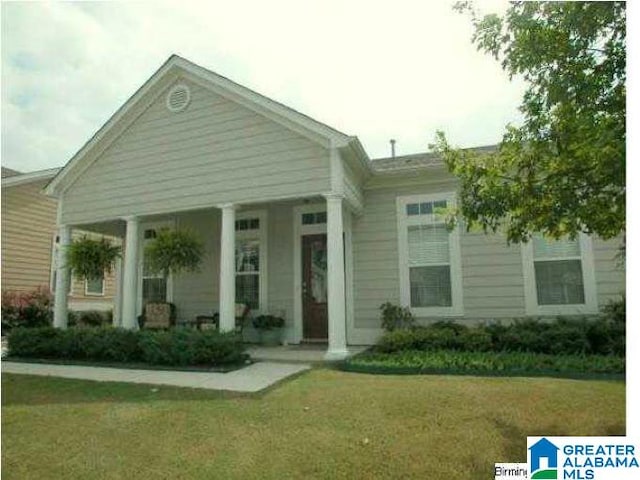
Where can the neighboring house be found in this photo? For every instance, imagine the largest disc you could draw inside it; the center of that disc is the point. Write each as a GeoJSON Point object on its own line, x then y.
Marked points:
{"type": "Point", "coordinates": [29, 242]}
{"type": "Point", "coordinates": [298, 221]}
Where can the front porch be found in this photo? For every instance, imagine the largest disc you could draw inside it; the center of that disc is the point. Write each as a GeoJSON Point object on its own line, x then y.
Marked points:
{"type": "Point", "coordinates": [290, 258]}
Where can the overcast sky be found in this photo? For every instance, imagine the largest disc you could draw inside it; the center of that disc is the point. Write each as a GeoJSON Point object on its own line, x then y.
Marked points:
{"type": "Point", "coordinates": [378, 70]}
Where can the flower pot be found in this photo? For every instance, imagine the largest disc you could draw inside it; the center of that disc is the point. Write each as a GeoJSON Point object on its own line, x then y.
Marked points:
{"type": "Point", "coordinates": [271, 337]}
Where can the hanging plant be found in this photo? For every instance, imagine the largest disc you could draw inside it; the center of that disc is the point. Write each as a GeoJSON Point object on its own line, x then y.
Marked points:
{"type": "Point", "coordinates": [173, 252]}
{"type": "Point", "coordinates": [89, 258]}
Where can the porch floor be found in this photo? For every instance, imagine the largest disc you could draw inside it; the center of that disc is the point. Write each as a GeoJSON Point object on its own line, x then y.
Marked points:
{"type": "Point", "coordinates": [295, 353]}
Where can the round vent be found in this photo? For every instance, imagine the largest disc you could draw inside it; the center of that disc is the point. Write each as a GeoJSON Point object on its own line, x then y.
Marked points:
{"type": "Point", "coordinates": [178, 98]}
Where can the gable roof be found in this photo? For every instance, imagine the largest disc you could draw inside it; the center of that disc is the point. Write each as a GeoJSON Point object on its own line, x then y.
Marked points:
{"type": "Point", "coordinates": [17, 178]}
{"type": "Point", "coordinates": [175, 66]}
{"type": "Point", "coordinates": [417, 161]}
{"type": "Point", "coordinates": [8, 172]}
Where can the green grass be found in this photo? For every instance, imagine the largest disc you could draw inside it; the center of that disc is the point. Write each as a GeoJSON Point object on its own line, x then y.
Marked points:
{"type": "Point", "coordinates": [323, 424]}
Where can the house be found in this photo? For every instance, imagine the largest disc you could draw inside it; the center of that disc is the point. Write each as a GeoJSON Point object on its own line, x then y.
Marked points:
{"type": "Point", "coordinates": [298, 221]}
{"type": "Point", "coordinates": [29, 242]}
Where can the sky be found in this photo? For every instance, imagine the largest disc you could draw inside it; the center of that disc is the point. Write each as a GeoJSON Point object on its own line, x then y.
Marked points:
{"type": "Point", "coordinates": [378, 70]}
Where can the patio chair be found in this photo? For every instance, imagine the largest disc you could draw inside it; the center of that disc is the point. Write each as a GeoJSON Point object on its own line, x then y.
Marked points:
{"type": "Point", "coordinates": [158, 315]}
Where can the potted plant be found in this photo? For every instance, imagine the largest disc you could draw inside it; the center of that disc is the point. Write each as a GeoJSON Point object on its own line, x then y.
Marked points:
{"type": "Point", "coordinates": [270, 328]}
{"type": "Point", "coordinates": [90, 259]}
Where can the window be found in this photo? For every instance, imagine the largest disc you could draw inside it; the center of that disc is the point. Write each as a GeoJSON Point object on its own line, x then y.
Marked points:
{"type": "Point", "coordinates": [314, 218]}
{"type": "Point", "coordinates": [250, 259]}
{"type": "Point", "coordinates": [154, 285]}
{"type": "Point", "coordinates": [429, 254]}
{"type": "Point", "coordinates": [559, 277]}
{"type": "Point", "coordinates": [94, 286]}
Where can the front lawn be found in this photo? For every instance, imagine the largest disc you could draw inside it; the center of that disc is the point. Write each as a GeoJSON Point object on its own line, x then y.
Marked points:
{"type": "Point", "coordinates": [324, 424]}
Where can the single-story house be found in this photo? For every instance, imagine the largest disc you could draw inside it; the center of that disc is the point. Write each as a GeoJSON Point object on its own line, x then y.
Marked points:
{"type": "Point", "coordinates": [30, 242]}
{"type": "Point", "coordinates": [298, 221]}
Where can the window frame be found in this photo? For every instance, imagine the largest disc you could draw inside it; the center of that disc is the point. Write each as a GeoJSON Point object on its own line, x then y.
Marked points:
{"type": "Point", "coordinates": [590, 304]}
{"type": "Point", "coordinates": [260, 234]}
{"type": "Point", "coordinates": [94, 294]}
{"type": "Point", "coordinates": [455, 262]}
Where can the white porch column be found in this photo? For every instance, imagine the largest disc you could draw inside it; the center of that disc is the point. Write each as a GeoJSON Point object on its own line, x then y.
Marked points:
{"type": "Point", "coordinates": [117, 299]}
{"type": "Point", "coordinates": [228, 268]}
{"type": "Point", "coordinates": [336, 289]}
{"type": "Point", "coordinates": [60, 306]}
{"type": "Point", "coordinates": [129, 315]}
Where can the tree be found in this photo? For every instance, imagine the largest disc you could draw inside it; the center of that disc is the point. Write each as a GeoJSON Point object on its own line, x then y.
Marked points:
{"type": "Point", "coordinates": [563, 171]}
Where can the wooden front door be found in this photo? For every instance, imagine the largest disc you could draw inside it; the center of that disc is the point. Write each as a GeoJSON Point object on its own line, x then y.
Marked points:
{"type": "Point", "coordinates": [314, 287]}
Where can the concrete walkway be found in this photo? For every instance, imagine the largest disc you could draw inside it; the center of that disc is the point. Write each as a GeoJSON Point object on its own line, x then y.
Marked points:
{"type": "Point", "coordinates": [253, 378]}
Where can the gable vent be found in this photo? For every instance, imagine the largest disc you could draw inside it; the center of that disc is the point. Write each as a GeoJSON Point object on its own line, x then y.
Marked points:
{"type": "Point", "coordinates": [178, 98]}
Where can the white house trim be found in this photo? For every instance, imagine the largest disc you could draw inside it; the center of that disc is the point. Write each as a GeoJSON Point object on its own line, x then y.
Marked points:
{"type": "Point", "coordinates": [457, 308]}
{"type": "Point", "coordinates": [590, 305]}
{"type": "Point", "coordinates": [23, 178]}
{"type": "Point", "coordinates": [262, 234]}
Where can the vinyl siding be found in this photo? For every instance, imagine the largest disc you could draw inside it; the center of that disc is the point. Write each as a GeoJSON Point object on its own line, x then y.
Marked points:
{"type": "Point", "coordinates": [28, 223]}
{"type": "Point", "coordinates": [215, 151]}
{"type": "Point", "coordinates": [610, 277]}
{"type": "Point", "coordinates": [28, 229]}
{"type": "Point", "coordinates": [493, 282]}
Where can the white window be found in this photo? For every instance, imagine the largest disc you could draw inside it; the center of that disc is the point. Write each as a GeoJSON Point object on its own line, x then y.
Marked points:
{"type": "Point", "coordinates": [94, 286]}
{"type": "Point", "coordinates": [429, 254]}
{"type": "Point", "coordinates": [154, 284]}
{"type": "Point", "coordinates": [559, 276]}
{"type": "Point", "coordinates": [250, 259]}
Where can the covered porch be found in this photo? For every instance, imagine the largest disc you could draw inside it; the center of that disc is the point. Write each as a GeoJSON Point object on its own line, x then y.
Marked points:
{"type": "Point", "coordinates": [288, 257]}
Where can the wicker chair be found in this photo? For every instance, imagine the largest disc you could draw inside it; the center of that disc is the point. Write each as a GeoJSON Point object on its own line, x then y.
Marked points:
{"type": "Point", "coordinates": [158, 315]}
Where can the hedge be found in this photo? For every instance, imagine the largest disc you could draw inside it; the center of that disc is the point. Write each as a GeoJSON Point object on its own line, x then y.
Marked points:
{"type": "Point", "coordinates": [176, 347]}
{"type": "Point", "coordinates": [486, 363]}
{"type": "Point", "coordinates": [584, 336]}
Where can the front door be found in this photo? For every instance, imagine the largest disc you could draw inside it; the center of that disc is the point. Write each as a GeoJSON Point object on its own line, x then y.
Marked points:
{"type": "Point", "coordinates": [314, 287]}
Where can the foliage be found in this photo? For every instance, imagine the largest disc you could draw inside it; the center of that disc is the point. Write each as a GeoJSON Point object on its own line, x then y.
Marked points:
{"type": "Point", "coordinates": [395, 316]}
{"type": "Point", "coordinates": [494, 363]}
{"type": "Point", "coordinates": [174, 251]}
{"type": "Point", "coordinates": [267, 322]}
{"type": "Point", "coordinates": [589, 336]}
{"type": "Point", "coordinates": [89, 258]}
{"type": "Point", "coordinates": [562, 171]}
{"type": "Point", "coordinates": [178, 347]}
{"type": "Point", "coordinates": [90, 318]}
{"type": "Point", "coordinates": [26, 309]}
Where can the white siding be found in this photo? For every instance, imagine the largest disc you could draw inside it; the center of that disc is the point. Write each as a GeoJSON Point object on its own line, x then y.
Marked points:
{"type": "Point", "coordinates": [215, 151]}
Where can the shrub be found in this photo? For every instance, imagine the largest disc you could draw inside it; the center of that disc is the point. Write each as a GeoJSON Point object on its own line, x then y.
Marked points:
{"type": "Point", "coordinates": [598, 335]}
{"type": "Point", "coordinates": [179, 347]}
{"type": "Point", "coordinates": [26, 309]}
{"type": "Point", "coordinates": [394, 317]}
{"type": "Point", "coordinates": [90, 318]}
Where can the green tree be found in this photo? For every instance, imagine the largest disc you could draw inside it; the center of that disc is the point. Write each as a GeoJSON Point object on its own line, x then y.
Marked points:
{"type": "Point", "coordinates": [563, 170]}
{"type": "Point", "coordinates": [89, 258]}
